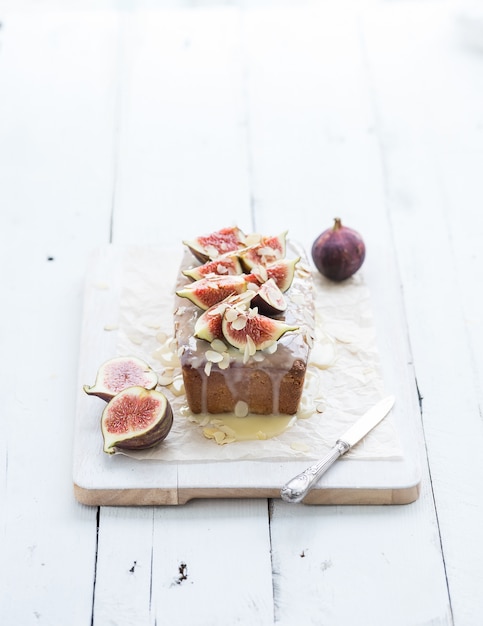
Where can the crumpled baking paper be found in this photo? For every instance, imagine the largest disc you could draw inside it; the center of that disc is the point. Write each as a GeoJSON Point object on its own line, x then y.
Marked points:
{"type": "Point", "coordinates": [343, 379]}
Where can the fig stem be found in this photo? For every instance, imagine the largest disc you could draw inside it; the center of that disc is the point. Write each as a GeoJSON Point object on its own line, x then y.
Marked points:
{"type": "Point", "coordinates": [337, 223]}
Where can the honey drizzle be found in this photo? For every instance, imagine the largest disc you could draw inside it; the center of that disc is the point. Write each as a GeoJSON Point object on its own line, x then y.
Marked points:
{"type": "Point", "coordinates": [249, 428]}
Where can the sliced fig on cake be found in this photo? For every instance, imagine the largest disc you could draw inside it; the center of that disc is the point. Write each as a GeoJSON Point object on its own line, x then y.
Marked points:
{"type": "Point", "coordinates": [282, 272]}
{"type": "Point", "coordinates": [269, 300]}
{"type": "Point", "coordinates": [208, 326]}
{"type": "Point", "coordinates": [209, 291]}
{"type": "Point", "coordinates": [136, 419]}
{"type": "Point", "coordinates": [225, 265]}
{"type": "Point", "coordinates": [250, 331]}
{"type": "Point", "coordinates": [209, 247]}
{"type": "Point", "coordinates": [119, 373]}
{"type": "Point", "coordinates": [267, 250]}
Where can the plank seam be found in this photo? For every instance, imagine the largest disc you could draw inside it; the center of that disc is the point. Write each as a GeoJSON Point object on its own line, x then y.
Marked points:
{"type": "Point", "coordinates": [96, 553]}
{"type": "Point", "coordinates": [270, 511]}
{"type": "Point", "coordinates": [433, 499]}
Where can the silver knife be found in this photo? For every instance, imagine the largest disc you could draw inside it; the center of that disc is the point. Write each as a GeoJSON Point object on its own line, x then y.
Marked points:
{"type": "Point", "coordinates": [297, 488]}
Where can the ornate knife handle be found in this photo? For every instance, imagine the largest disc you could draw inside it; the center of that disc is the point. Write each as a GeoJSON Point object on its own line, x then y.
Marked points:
{"type": "Point", "coordinates": [297, 488]}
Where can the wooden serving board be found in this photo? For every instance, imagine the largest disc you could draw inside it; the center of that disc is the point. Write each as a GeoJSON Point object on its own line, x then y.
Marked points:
{"type": "Point", "coordinates": [101, 479]}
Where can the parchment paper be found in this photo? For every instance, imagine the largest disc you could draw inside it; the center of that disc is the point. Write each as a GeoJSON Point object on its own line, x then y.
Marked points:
{"type": "Point", "coordinates": [343, 378]}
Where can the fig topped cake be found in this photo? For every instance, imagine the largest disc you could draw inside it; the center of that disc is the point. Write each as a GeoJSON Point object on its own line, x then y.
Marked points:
{"type": "Point", "coordinates": [244, 323]}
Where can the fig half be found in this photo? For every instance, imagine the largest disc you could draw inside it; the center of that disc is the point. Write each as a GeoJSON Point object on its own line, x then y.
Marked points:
{"type": "Point", "coordinates": [227, 264]}
{"type": "Point", "coordinates": [209, 291]}
{"type": "Point", "coordinates": [136, 419]}
{"type": "Point", "coordinates": [209, 247]}
{"type": "Point", "coordinates": [208, 325]}
{"type": "Point", "coordinates": [269, 299]}
{"type": "Point", "coordinates": [119, 373]}
{"type": "Point", "coordinates": [267, 250]}
{"type": "Point", "coordinates": [252, 331]}
{"type": "Point", "coordinates": [282, 272]}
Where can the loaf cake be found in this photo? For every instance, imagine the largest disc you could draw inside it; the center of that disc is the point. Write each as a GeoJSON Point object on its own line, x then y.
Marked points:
{"type": "Point", "coordinates": [244, 323]}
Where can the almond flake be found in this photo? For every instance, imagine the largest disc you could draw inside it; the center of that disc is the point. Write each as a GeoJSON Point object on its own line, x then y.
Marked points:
{"type": "Point", "coordinates": [167, 358]}
{"type": "Point", "coordinates": [252, 239]}
{"type": "Point", "coordinates": [261, 272]}
{"type": "Point", "coordinates": [240, 322]}
{"type": "Point", "coordinates": [225, 363]}
{"type": "Point", "coordinates": [219, 436]}
{"type": "Point", "coordinates": [137, 339]}
{"type": "Point", "coordinates": [241, 409]}
{"type": "Point", "coordinates": [165, 379]}
{"type": "Point", "coordinates": [177, 388]}
{"type": "Point", "coordinates": [213, 356]}
{"type": "Point", "coordinates": [218, 345]}
{"type": "Point", "coordinates": [251, 346]}
{"type": "Point", "coordinates": [231, 314]}
{"type": "Point", "coordinates": [153, 325]}
{"type": "Point", "coordinates": [208, 368]}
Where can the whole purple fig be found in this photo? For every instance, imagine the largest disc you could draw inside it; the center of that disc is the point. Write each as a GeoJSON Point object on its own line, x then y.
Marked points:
{"type": "Point", "coordinates": [338, 252]}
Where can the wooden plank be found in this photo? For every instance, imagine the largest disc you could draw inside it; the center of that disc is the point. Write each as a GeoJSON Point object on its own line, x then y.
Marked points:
{"type": "Point", "coordinates": [431, 131]}
{"type": "Point", "coordinates": [158, 565]}
{"type": "Point", "coordinates": [55, 177]}
{"type": "Point", "coordinates": [183, 160]}
{"type": "Point", "coordinates": [316, 155]}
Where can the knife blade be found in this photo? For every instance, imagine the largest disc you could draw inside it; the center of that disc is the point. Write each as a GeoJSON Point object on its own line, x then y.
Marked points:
{"type": "Point", "coordinates": [297, 488]}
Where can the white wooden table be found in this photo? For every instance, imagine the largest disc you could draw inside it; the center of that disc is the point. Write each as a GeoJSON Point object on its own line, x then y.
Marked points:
{"type": "Point", "coordinates": [134, 122]}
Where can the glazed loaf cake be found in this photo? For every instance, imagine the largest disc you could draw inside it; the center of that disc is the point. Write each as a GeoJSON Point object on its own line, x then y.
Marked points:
{"type": "Point", "coordinates": [223, 371]}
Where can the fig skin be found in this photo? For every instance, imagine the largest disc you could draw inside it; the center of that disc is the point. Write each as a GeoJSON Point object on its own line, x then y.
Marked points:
{"type": "Point", "coordinates": [129, 405]}
{"type": "Point", "coordinates": [338, 252]}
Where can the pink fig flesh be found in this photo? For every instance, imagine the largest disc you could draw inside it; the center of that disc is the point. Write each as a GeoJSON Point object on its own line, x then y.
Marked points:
{"type": "Point", "coordinates": [211, 246]}
{"type": "Point", "coordinates": [209, 291]}
{"type": "Point", "coordinates": [119, 373]}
